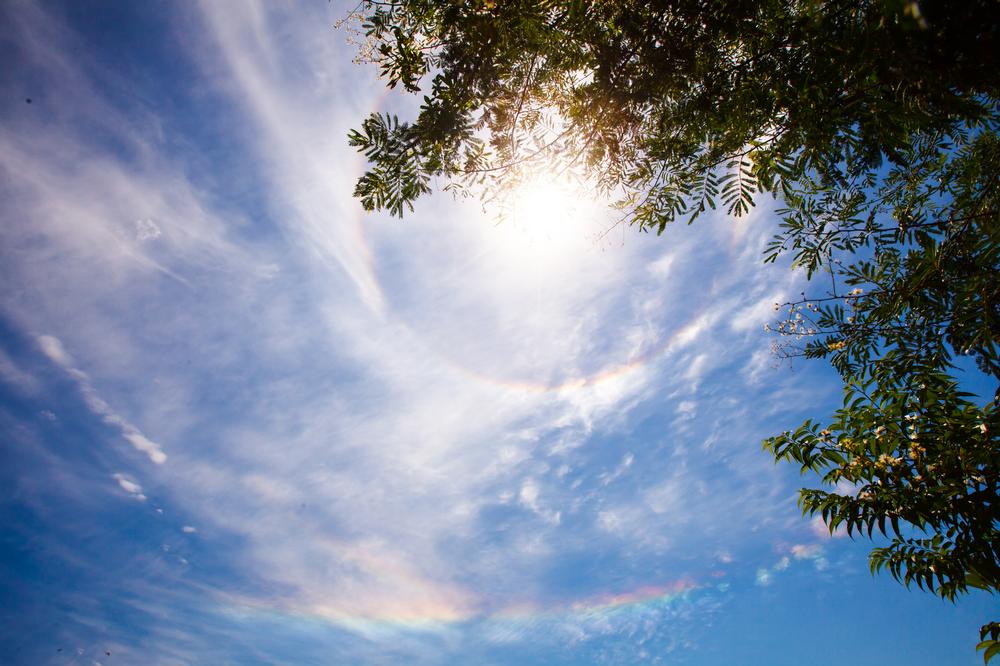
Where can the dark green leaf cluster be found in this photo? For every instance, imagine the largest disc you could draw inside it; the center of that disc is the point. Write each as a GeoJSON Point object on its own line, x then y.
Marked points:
{"type": "Point", "coordinates": [922, 460]}
{"type": "Point", "coordinates": [912, 258]}
{"type": "Point", "coordinates": [989, 637]}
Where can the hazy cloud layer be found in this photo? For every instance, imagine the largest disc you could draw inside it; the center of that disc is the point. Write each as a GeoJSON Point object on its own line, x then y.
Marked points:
{"type": "Point", "coordinates": [431, 438]}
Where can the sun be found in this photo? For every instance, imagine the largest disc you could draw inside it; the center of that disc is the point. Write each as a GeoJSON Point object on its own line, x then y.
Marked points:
{"type": "Point", "coordinates": [545, 205]}
{"type": "Point", "coordinates": [547, 218]}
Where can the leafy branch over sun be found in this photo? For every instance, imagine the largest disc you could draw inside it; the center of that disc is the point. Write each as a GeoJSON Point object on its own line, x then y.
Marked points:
{"type": "Point", "coordinates": [874, 123]}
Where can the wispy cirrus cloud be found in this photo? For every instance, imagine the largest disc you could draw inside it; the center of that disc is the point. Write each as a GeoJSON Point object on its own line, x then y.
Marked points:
{"type": "Point", "coordinates": [14, 375]}
{"type": "Point", "coordinates": [54, 350]}
{"type": "Point", "coordinates": [407, 429]}
{"type": "Point", "coordinates": [130, 486]}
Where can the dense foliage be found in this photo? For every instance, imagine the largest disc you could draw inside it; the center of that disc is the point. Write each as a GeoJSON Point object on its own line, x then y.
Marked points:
{"type": "Point", "coordinates": [873, 122]}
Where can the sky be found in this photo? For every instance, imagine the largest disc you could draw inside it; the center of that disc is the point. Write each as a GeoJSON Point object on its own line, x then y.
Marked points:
{"type": "Point", "coordinates": [244, 422]}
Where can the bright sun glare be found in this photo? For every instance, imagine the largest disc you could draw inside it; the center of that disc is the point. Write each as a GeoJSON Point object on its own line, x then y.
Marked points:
{"type": "Point", "coordinates": [548, 218]}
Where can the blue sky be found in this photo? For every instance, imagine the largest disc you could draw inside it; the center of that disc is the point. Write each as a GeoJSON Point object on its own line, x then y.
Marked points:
{"type": "Point", "coordinates": [246, 423]}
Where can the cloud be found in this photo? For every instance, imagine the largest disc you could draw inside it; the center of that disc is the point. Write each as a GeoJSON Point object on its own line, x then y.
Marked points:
{"type": "Point", "coordinates": [528, 497]}
{"type": "Point", "coordinates": [809, 552]}
{"type": "Point", "coordinates": [294, 144]}
{"type": "Point", "coordinates": [697, 368]}
{"type": "Point", "coordinates": [11, 373]}
{"type": "Point", "coordinates": [609, 521]}
{"type": "Point", "coordinates": [660, 268]}
{"type": "Point", "coordinates": [689, 334]}
{"type": "Point", "coordinates": [760, 361]}
{"type": "Point", "coordinates": [687, 408]}
{"type": "Point", "coordinates": [53, 348]}
{"type": "Point", "coordinates": [820, 529]}
{"type": "Point", "coordinates": [755, 315]}
{"type": "Point", "coordinates": [804, 551]}
{"type": "Point", "coordinates": [129, 486]}
{"type": "Point", "coordinates": [147, 230]}
{"type": "Point", "coordinates": [812, 552]}
{"type": "Point", "coordinates": [626, 462]}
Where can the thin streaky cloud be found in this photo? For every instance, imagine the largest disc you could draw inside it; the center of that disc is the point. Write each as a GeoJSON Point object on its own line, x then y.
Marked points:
{"type": "Point", "coordinates": [53, 348]}
{"type": "Point", "coordinates": [17, 377]}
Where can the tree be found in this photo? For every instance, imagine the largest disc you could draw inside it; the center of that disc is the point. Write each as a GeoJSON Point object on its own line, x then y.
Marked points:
{"type": "Point", "coordinates": [921, 454]}
{"type": "Point", "coordinates": [874, 122]}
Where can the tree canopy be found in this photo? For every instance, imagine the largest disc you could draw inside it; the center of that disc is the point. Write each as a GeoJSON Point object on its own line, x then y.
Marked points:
{"type": "Point", "coordinates": [874, 123]}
